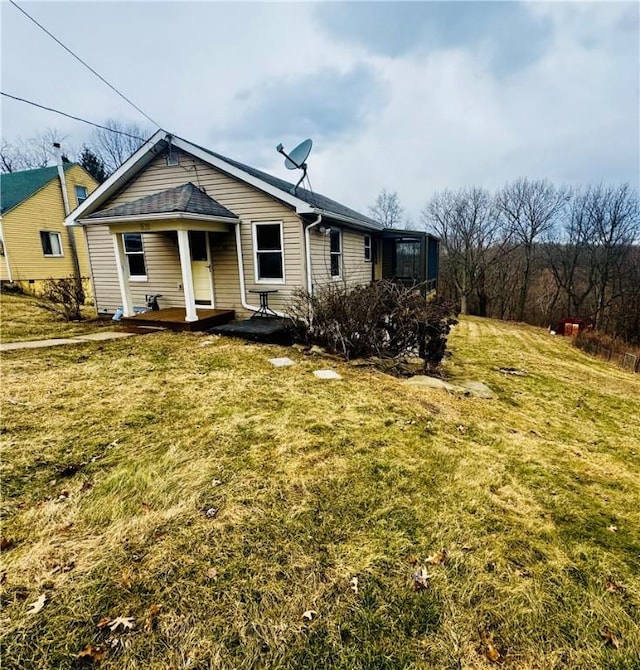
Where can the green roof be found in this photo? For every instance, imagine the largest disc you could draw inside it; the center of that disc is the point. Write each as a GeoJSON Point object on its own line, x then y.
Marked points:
{"type": "Point", "coordinates": [16, 187]}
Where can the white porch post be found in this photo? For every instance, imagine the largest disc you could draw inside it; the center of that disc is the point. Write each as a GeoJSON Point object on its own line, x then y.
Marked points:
{"type": "Point", "coordinates": [122, 268]}
{"type": "Point", "coordinates": [187, 278]}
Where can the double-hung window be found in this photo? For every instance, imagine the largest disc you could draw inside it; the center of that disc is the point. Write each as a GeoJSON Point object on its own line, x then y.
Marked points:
{"type": "Point", "coordinates": [51, 243]}
{"type": "Point", "coordinates": [135, 256]}
{"type": "Point", "coordinates": [268, 252]}
{"type": "Point", "coordinates": [81, 194]}
{"type": "Point", "coordinates": [336, 253]}
{"type": "Point", "coordinates": [367, 247]}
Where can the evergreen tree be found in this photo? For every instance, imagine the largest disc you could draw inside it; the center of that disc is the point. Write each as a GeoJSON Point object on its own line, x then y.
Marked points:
{"type": "Point", "coordinates": [93, 165]}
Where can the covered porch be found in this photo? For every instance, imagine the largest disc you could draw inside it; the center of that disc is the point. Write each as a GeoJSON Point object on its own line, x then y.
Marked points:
{"type": "Point", "coordinates": [180, 275]}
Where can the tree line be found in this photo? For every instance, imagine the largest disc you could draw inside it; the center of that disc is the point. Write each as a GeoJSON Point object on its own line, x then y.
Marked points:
{"type": "Point", "coordinates": [104, 151]}
{"type": "Point", "coordinates": [536, 252]}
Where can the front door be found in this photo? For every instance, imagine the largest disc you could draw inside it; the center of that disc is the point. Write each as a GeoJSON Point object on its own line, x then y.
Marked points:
{"type": "Point", "coordinates": [201, 268]}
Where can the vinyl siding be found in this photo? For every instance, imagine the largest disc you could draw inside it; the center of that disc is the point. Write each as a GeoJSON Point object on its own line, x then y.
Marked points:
{"type": "Point", "coordinates": [246, 202]}
{"type": "Point", "coordinates": [355, 269]}
{"type": "Point", "coordinates": [44, 211]}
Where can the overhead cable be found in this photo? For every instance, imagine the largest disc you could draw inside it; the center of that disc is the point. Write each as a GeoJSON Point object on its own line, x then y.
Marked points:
{"type": "Point", "coordinates": [71, 116]}
{"type": "Point", "coordinates": [66, 48]}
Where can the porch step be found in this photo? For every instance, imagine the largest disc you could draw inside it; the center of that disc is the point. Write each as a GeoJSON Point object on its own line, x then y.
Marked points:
{"type": "Point", "coordinates": [173, 318]}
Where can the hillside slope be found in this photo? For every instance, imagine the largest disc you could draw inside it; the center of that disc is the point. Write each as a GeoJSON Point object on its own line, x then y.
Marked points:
{"type": "Point", "coordinates": [227, 506]}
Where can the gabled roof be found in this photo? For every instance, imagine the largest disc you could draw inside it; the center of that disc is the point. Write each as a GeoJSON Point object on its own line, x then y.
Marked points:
{"type": "Point", "coordinates": [188, 199]}
{"type": "Point", "coordinates": [316, 200]}
{"type": "Point", "coordinates": [16, 187]}
{"type": "Point", "coordinates": [304, 202]}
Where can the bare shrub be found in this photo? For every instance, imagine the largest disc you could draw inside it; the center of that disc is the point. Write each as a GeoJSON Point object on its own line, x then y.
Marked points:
{"type": "Point", "coordinates": [383, 319]}
{"type": "Point", "coordinates": [64, 297]}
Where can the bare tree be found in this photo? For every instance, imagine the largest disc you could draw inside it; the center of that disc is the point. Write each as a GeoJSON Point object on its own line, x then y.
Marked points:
{"type": "Point", "coordinates": [529, 210]}
{"type": "Point", "coordinates": [614, 217]}
{"type": "Point", "coordinates": [112, 147]}
{"type": "Point", "coordinates": [30, 153]}
{"type": "Point", "coordinates": [468, 229]}
{"type": "Point", "coordinates": [387, 210]}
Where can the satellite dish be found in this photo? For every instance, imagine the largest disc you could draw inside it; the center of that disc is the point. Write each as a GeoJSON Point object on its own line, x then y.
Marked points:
{"type": "Point", "coordinates": [295, 160]}
{"type": "Point", "coordinates": [299, 155]}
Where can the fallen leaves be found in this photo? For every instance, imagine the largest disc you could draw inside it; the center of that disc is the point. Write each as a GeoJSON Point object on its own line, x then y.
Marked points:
{"type": "Point", "coordinates": [439, 558]}
{"type": "Point", "coordinates": [6, 543]}
{"type": "Point", "coordinates": [91, 653]}
{"type": "Point", "coordinates": [421, 579]}
{"type": "Point", "coordinates": [309, 615]}
{"type": "Point", "coordinates": [612, 528]}
{"type": "Point", "coordinates": [126, 622]}
{"type": "Point", "coordinates": [490, 651]}
{"type": "Point", "coordinates": [612, 587]}
{"type": "Point", "coordinates": [37, 605]}
{"type": "Point", "coordinates": [150, 617]}
{"type": "Point", "coordinates": [212, 574]}
{"type": "Point", "coordinates": [610, 639]}
{"type": "Point", "coordinates": [353, 584]}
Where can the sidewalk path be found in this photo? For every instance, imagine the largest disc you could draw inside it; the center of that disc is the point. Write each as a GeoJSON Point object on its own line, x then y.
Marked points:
{"type": "Point", "coordinates": [78, 339]}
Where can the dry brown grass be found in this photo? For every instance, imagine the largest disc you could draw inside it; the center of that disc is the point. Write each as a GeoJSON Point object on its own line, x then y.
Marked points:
{"type": "Point", "coordinates": [320, 482]}
{"type": "Point", "coordinates": [22, 319]}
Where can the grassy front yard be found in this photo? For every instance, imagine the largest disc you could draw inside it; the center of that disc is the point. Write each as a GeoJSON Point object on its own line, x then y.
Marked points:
{"type": "Point", "coordinates": [22, 319]}
{"type": "Point", "coordinates": [252, 517]}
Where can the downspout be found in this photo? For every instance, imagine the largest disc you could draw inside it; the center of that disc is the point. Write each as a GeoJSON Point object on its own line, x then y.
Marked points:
{"type": "Point", "coordinates": [243, 300]}
{"type": "Point", "coordinates": [5, 252]}
{"type": "Point", "coordinates": [307, 248]}
{"type": "Point", "coordinates": [67, 211]}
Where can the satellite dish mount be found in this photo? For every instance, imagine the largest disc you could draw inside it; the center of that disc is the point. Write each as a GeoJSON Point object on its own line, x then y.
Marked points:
{"type": "Point", "coordinates": [296, 159]}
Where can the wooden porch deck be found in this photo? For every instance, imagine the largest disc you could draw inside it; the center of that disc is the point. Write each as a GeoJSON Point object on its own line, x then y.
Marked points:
{"type": "Point", "coordinates": [173, 318]}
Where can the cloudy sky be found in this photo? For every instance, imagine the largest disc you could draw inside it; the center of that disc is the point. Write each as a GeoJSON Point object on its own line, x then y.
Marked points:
{"type": "Point", "coordinates": [412, 96]}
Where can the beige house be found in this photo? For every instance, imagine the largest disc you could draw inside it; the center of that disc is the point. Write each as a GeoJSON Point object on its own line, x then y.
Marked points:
{"type": "Point", "coordinates": [206, 232]}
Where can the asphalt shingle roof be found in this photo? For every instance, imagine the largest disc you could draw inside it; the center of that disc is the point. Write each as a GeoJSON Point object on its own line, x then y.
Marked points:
{"type": "Point", "coordinates": [16, 187]}
{"type": "Point", "coordinates": [187, 198]}
{"type": "Point", "coordinates": [314, 199]}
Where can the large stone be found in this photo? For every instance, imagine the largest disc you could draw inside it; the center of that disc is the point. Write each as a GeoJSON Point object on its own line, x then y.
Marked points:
{"type": "Point", "coordinates": [280, 362]}
{"type": "Point", "coordinates": [326, 374]}
{"type": "Point", "coordinates": [424, 381]}
{"type": "Point", "coordinates": [478, 389]}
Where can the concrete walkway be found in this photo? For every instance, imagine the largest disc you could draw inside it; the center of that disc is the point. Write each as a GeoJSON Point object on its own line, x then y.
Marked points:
{"type": "Point", "coordinates": [78, 339]}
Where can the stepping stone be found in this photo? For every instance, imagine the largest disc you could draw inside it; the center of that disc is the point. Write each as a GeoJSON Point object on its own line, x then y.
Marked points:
{"type": "Point", "coordinates": [280, 362]}
{"type": "Point", "coordinates": [107, 335]}
{"type": "Point", "coordinates": [326, 374]}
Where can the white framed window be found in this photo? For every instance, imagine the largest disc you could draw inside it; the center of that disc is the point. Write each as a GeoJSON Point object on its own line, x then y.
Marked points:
{"type": "Point", "coordinates": [335, 250]}
{"type": "Point", "coordinates": [268, 252]}
{"type": "Point", "coordinates": [367, 247]}
{"type": "Point", "coordinates": [134, 251]}
{"type": "Point", "coordinates": [51, 243]}
{"type": "Point", "coordinates": [81, 194]}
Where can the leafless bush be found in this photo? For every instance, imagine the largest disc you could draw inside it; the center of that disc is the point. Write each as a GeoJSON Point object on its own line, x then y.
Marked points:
{"type": "Point", "coordinates": [383, 319]}
{"type": "Point", "coordinates": [64, 297]}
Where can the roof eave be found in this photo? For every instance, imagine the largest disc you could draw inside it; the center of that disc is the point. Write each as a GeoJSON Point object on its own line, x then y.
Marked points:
{"type": "Point", "coordinates": [364, 225]}
{"type": "Point", "coordinates": [159, 216]}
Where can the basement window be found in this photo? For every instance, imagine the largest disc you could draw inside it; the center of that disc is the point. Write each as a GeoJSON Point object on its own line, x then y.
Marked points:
{"type": "Point", "coordinates": [135, 256]}
{"type": "Point", "coordinates": [51, 243]}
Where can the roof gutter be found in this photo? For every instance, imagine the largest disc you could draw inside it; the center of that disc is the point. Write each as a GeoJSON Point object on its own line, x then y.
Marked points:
{"type": "Point", "coordinates": [243, 298]}
{"type": "Point", "coordinates": [348, 220]}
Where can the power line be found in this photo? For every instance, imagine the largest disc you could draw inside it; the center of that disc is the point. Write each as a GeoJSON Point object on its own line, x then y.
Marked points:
{"type": "Point", "coordinates": [71, 116]}
{"type": "Point", "coordinates": [66, 48]}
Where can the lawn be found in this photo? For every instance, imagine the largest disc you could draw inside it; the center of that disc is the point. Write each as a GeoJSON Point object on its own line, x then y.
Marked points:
{"type": "Point", "coordinates": [242, 516]}
{"type": "Point", "coordinates": [22, 319]}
